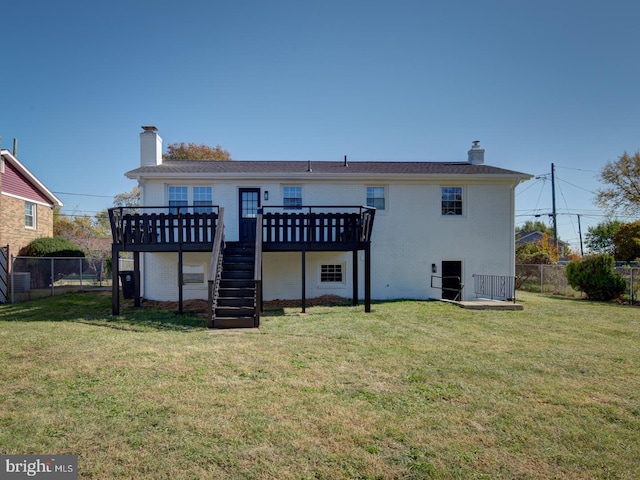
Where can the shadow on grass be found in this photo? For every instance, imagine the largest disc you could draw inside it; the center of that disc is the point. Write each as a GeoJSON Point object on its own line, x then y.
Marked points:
{"type": "Point", "coordinates": [94, 308]}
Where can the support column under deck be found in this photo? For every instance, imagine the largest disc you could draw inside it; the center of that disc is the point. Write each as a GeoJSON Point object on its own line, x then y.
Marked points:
{"type": "Point", "coordinates": [354, 274]}
{"type": "Point", "coordinates": [304, 280]}
{"type": "Point", "coordinates": [115, 290]}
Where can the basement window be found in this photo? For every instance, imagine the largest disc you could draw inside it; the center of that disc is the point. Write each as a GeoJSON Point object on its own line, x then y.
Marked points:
{"type": "Point", "coordinates": [192, 274]}
{"type": "Point", "coordinates": [331, 274]}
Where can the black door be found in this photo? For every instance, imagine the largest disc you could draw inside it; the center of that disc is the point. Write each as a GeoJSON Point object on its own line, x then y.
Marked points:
{"type": "Point", "coordinates": [451, 280]}
{"type": "Point", "coordinates": [249, 203]}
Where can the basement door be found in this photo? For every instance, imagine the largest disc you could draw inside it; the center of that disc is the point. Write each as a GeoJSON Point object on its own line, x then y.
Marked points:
{"type": "Point", "coordinates": [249, 203]}
{"type": "Point", "coordinates": [451, 279]}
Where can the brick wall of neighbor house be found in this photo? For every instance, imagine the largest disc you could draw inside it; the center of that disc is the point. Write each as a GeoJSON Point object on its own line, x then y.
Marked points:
{"type": "Point", "coordinates": [12, 228]}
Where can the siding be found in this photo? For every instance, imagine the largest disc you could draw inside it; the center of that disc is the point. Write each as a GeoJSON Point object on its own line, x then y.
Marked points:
{"type": "Point", "coordinates": [14, 183]}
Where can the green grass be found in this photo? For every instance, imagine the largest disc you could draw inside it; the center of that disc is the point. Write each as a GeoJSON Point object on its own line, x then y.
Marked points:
{"type": "Point", "coordinates": [410, 390]}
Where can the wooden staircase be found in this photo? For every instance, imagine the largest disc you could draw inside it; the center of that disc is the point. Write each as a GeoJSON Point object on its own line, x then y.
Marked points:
{"type": "Point", "coordinates": [236, 301]}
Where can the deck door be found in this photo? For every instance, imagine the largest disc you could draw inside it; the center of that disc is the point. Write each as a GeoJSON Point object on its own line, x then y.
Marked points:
{"type": "Point", "coordinates": [249, 203]}
{"type": "Point", "coordinates": [451, 279]}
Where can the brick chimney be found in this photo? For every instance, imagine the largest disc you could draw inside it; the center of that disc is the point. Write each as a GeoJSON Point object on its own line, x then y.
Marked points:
{"type": "Point", "coordinates": [476, 154]}
{"type": "Point", "coordinates": [150, 147]}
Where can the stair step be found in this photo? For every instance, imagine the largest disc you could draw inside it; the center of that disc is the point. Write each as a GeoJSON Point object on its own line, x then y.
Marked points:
{"type": "Point", "coordinates": [224, 302]}
{"type": "Point", "coordinates": [235, 322]}
{"type": "Point", "coordinates": [237, 275]}
{"type": "Point", "coordinates": [233, 312]}
{"type": "Point", "coordinates": [248, 259]}
{"type": "Point", "coordinates": [236, 266]}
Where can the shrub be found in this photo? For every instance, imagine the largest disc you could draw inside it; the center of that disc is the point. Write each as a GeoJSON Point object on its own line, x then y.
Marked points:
{"type": "Point", "coordinates": [596, 277]}
{"type": "Point", "coordinates": [41, 274]}
{"type": "Point", "coordinates": [51, 247]}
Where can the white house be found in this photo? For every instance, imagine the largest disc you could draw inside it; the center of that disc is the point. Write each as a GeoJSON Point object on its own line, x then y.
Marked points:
{"type": "Point", "coordinates": [436, 224]}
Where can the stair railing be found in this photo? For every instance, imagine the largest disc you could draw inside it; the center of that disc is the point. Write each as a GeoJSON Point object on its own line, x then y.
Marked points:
{"type": "Point", "coordinates": [257, 271]}
{"type": "Point", "coordinates": [215, 268]}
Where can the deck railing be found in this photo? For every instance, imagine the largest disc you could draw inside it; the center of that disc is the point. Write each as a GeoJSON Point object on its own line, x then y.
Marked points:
{"type": "Point", "coordinates": [163, 225]}
{"type": "Point", "coordinates": [495, 287]}
{"type": "Point", "coordinates": [317, 224]}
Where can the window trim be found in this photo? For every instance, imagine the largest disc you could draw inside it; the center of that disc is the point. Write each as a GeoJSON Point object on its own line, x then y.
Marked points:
{"type": "Point", "coordinates": [194, 266]}
{"type": "Point", "coordinates": [298, 204]}
{"type": "Point", "coordinates": [332, 283]}
{"type": "Point", "coordinates": [32, 215]}
{"type": "Point", "coordinates": [451, 209]}
{"type": "Point", "coordinates": [384, 197]}
{"type": "Point", "coordinates": [197, 206]}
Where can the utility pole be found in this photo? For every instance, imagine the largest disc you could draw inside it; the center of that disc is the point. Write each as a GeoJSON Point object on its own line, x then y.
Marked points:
{"type": "Point", "coordinates": [553, 199]}
{"type": "Point", "coordinates": [580, 235]}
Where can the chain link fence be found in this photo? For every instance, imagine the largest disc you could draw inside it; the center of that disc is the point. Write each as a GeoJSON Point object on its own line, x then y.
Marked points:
{"type": "Point", "coordinates": [552, 279]}
{"type": "Point", "coordinates": [37, 277]}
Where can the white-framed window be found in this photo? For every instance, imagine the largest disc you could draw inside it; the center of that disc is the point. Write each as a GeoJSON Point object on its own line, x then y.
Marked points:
{"type": "Point", "coordinates": [192, 274]}
{"type": "Point", "coordinates": [29, 214]}
{"type": "Point", "coordinates": [452, 201]}
{"type": "Point", "coordinates": [375, 197]}
{"type": "Point", "coordinates": [292, 197]}
{"type": "Point", "coordinates": [182, 195]}
{"type": "Point", "coordinates": [178, 197]}
{"type": "Point", "coordinates": [202, 199]}
{"type": "Point", "coordinates": [332, 273]}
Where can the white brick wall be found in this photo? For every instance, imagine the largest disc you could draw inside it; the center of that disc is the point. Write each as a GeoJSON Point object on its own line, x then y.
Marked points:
{"type": "Point", "coordinates": [408, 237]}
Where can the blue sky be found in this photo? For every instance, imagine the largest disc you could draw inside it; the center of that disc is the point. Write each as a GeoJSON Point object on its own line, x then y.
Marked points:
{"type": "Point", "coordinates": [535, 82]}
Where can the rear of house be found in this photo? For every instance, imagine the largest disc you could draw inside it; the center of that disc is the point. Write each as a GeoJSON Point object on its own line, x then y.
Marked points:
{"type": "Point", "coordinates": [437, 224]}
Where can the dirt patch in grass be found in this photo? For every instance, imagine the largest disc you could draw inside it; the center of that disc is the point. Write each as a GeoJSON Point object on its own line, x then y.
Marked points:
{"type": "Point", "coordinates": [200, 306]}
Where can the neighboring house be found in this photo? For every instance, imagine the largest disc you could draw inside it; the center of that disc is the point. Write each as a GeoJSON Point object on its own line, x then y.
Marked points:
{"type": "Point", "coordinates": [26, 205]}
{"type": "Point", "coordinates": [536, 237]}
{"type": "Point", "coordinates": [437, 224]}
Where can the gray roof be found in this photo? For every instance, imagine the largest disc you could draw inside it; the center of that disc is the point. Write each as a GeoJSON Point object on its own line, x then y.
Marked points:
{"type": "Point", "coordinates": [277, 167]}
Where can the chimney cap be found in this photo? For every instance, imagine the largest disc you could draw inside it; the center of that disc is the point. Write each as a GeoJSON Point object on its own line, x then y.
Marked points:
{"type": "Point", "coordinates": [149, 128]}
{"type": "Point", "coordinates": [476, 143]}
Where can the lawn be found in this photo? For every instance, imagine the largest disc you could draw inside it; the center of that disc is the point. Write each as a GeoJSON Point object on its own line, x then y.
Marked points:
{"type": "Point", "coordinates": [410, 390]}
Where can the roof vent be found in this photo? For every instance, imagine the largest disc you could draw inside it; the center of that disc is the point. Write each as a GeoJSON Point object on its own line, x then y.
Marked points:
{"type": "Point", "coordinates": [309, 166]}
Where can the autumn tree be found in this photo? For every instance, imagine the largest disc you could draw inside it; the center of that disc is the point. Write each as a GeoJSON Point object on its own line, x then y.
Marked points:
{"type": "Point", "coordinates": [627, 242]}
{"type": "Point", "coordinates": [542, 251]}
{"type": "Point", "coordinates": [599, 238]}
{"type": "Point", "coordinates": [622, 178]}
{"type": "Point", "coordinates": [192, 151]}
{"type": "Point", "coordinates": [128, 199]}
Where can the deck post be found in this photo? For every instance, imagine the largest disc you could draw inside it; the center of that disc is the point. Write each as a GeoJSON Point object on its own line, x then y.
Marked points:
{"type": "Point", "coordinates": [136, 279]}
{"type": "Point", "coordinates": [115, 290]}
{"type": "Point", "coordinates": [180, 280]}
{"type": "Point", "coordinates": [304, 280]}
{"type": "Point", "coordinates": [367, 277]}
{"type": "Point", "coordinates": [355, 277]}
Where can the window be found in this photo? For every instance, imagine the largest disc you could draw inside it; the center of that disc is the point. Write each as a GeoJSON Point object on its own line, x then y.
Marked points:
{"type": "Point", "coordinates": [202, 199]}
{"type": "Point", "coordinates": [292, 198]}
{"type": "Point", "coordinates": [29, 215]}
{"type": "Point", "coordinates": [451, 200]}
{"type": "Point", "coordinates": [178, 197]}
{"type": "Point", "coordinates": [192, 274]}
{"type": "Point", "coordinates": [331, 273]}
{"type": "Point", "coordinates": [375, 197]}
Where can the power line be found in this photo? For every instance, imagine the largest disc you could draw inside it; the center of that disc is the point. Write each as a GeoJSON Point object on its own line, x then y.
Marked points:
{"type": "Point", "coordinates": [84, 195]}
